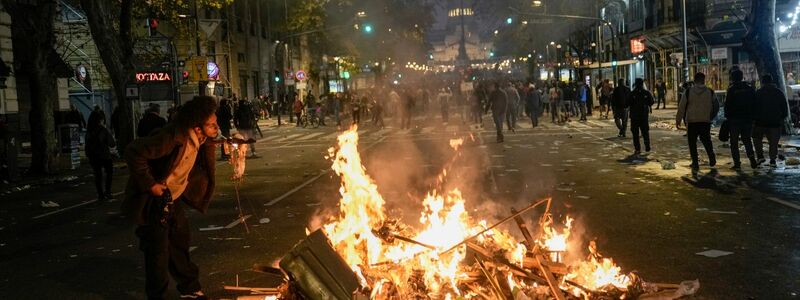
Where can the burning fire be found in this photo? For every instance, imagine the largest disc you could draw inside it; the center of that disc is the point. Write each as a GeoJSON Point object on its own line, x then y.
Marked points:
{"type": "Point", "coordinates": [387, 256]}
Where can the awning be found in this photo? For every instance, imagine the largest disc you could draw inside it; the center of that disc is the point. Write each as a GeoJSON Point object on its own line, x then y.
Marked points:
{"type": "Point", "coordinates": [724, 33]}
{"type": "Point", "coordinates": [608, 64]}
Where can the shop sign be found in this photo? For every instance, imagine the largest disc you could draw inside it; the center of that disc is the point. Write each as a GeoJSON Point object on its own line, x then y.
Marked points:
{"type": "Point", "coordinates": [637, 45]}
{"type": "Point", "coordinates": [719, 53]}
{"type": "Point", "coordinates": [152, 76]}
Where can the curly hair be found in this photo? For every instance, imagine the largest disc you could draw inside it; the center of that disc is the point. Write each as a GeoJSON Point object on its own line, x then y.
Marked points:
{"type": "Point", "coordinates": [195, 112]}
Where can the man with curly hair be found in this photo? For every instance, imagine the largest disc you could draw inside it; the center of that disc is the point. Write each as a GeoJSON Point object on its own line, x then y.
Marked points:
{"type": "Point", "coordinates": [176, 162]}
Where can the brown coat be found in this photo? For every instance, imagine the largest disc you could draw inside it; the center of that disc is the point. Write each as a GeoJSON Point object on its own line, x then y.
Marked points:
{"type": "Point", "coordinates": [152, 158]}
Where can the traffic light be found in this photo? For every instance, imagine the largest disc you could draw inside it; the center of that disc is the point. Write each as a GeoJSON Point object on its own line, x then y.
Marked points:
{"type": "Point", "coordinates": [276, 76]}
{"type": "Point", "coordinates": [491, 54]}
{"type": "Point", "coordinates": [152, 26]}
{"type": "Point", "coordinates": [509, 20]}
{"type": "Point", "coordinates": [367, 28]}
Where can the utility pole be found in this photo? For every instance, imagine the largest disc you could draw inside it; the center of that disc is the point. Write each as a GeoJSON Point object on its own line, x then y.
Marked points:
{"type": "Point", "coordinates": [685, 44]}
{"type": "Point", "coordinates": [201, 85]}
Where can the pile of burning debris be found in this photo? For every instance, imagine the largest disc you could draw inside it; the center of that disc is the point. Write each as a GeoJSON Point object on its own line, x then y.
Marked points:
{"type": "Point", "coordinates": [361, 253]}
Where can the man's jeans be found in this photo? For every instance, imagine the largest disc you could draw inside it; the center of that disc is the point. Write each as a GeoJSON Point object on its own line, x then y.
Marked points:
{"type": "Point", "coordinates": [773, 137]}
{"type": "Point", "coordinates": [703, 131]}
{"type": "Point", "coordinates": [744, 130]}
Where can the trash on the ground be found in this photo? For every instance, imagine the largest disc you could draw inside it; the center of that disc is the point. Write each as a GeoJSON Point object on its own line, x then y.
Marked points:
{"type": "Point", "coordinates": [564, 189]}
{"type": "Point", "coordinates": [583, 197]}
{"type": "Point", "coordinates": [73, 255]}
{"type": "Point", "coordinates": [546, 165]}
{"type": "Point", "coordinates": [666, 213]}
{"type": "Point", "coordinates": [792, 161]}
{"type": "Point", "coordinates": [621, 193]}
{"type": "Point", "coordinates": [192, 248]}
{"type": "Point", "coordinates": [723, 212]}
{"type": "Point", "coordinates": [667, 165]}
{"type": "Point", "coordinates": [115, 250]}
{"type": "Point", "coordinates": [263, 221]}
{"type": "Point", "coordinates": [701, 209]}
{"type": "Point", "coordinates": [714, 253]}
{"type": "Point", "coordinates": [49, 204]}
{"type": "Point", "coordinates": [211, 227]}
{"type": "Point", "coordinates": [290, 215]}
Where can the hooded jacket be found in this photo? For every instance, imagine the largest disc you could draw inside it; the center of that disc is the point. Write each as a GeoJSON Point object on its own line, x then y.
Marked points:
{"type": "Point", "coordinates": [697, 105]}
{"type": "Point", "coordinates": [771, 108]}
{"type": "Point", "coordinates": [740, 102]}
{"type": "Point", "coordinates": [639, 102]}
{"type": "Point", "coordinates": [152, 158]}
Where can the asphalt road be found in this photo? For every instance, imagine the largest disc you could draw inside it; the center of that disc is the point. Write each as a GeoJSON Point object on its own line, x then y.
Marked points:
{"type": "Point", "coordinates": [649, 220]}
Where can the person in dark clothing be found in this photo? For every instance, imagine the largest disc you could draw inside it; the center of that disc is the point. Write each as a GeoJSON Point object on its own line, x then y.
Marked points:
{"type": "Point", "coordinates": [533, 101]}
{"type": "Point", "coordinates": [618, 98]}
{"type": "Point", "coordinates": [771, 110]}
{"type": "Point", "coordinates": [224, 117]}
{"type": "Point", "coordinates": [499, 105]}
{"type": "Point", "coordinates": [177, 161]}
{"type": "Point", "coordinates": [244, 118]}
{"type": "Point", "coordinates": [151, 121]}
{"type": "Point", "coordinates": [407, 110]}
{"type": "Point", "coordinates": [96, 113]}
{"type": "Point", "coordinates": [661, 93]}
{"type": "Point", "coordinates": [739, 107]}
{"type": "Point", "coordinates": [99, 142]}
{"type": "Point", "coordinates": [638, 103]}
{"type": "Point", "coordinates": [74, 116]}
{"type": "Point", "coordinates": [697, 108]}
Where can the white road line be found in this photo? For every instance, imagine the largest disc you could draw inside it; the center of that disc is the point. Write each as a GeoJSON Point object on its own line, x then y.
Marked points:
{"type": "Point", "coordinates": [784, 202]}
{"type": "Point", "coordinates": [289, 137]}
{"type": "Point", "coordinates": [310, 136]}
{"type": "Point", "coordinates": [71, 207]}
{"type": "Point", "coordinates": [274, 137]}
{"type": "Point", "coordinates": [427, 129]}
{"type": "Point", "coordinates": [237, 221]}
{"type": "Point", "coordinates": [332, 135]}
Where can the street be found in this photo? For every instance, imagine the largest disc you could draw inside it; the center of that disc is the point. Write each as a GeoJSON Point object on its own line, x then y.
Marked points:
{"type": "Point", "coordinates": [649, 220]}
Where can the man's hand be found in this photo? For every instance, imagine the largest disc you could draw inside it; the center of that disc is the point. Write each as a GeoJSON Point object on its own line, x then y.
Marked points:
{"type": "Point", "coordinates": [157, 189]}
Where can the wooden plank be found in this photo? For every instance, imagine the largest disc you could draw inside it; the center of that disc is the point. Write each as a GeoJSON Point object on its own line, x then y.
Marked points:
{"type": "Point", "coordinates": [551, 280]}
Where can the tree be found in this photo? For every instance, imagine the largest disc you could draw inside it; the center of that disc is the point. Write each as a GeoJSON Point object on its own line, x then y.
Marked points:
{"type": "Point", "coordinates": [761, 45]}
{"type": "Point", "coordinates": [35, 63]}
{"type": "Point", "coordinates": [110, 26]}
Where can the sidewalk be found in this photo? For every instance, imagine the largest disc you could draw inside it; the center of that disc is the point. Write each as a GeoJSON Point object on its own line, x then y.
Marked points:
{"type": "Point", "coordinates": [26, 181]}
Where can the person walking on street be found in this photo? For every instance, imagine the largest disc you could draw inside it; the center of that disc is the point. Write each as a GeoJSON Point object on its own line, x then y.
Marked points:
{"type": "Point", "coordinates": [444, 104]}
{"type": "Point", "coordinates": [99, 142]}
{"type": "Point", "coordinates": [513, 106]}
{"type": "Point", "coordinates": [499, 107]}
{"type": "Point", "coordinates": [568, 101]}
{"type": "Point", "coordinates": [697, 108]}
{"type": "Point", "coordinates": [407, 110]}
{"type": "Point", "coordinates": [661, 93]}
{"type": "Point", "coordinates": [583, 97]}
{"type": "Point", "coordinates": [771, 110]}
{"type": "Point", "coordinates": [532, 103]}
{"type": "Point", "coordinates": [739, 109]}
{"type": "Point", "coordinates": [556, 102]}
{"type": "Point", "coordinates": [169, 170]}
{"type": "Point", "coordinates": [297, 111]}
{"type": "Point", "coordinates": [151, 121]}
{"type": "Point", "coordinates": [638, 103]}
{"type": "Point", "coordinates": [618, 98]}
{"type": "Point", "coordinates": [605, 98]}
{"type": "Point", "coordinates": [245, 122]}
{"type": "Point", "coordinates": [545, 97]}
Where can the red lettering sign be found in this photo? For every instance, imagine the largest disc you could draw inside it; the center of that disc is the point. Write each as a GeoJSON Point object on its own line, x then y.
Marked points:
{"type": "Point", "coordinates": [637, 45]}
{"type": "Point", "coordinates": [152, 76]}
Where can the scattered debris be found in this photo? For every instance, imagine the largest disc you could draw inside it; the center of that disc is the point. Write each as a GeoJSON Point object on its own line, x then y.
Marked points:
{"type": "Point", "coordinates": [667, 165]}
{"type": "Point", "coordinates": [792, 161]}
{"type": "Point", "coordinates": [666, 213]}
{"type": "Point", "coordinates": [263, 221]}
{"type": "Point", "coordinates": [49, 204]}
{"type": "Point", "coordinates": [714, 253]}
{"type": "Point", "coordinates": [723, 212]}
{"type": "Point", "coordinates": [211, 228]}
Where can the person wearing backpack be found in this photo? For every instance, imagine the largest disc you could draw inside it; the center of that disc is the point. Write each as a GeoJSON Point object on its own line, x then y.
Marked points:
{"type": "Point", "coordinates": [99, 142]}
{"type": "Point", "coordinates": [697, 108]}
{"type": "Point", "coordinates": [739, 109]}
{"type": "Point", "coordinates": [638, 103]}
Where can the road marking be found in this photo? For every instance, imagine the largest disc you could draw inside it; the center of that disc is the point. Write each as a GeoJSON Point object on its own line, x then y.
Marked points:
{"type": "Point", "coordinates": [237, 221]}
{"type": "Point", "coordinates": [310, 136]}
{"type": "Point", "coordinates": [312, 179]}
{"type": "Point", "coordinates": [71, 207]}
{"type": "Point", "coordinates": [784, 202]}
{"type": "Point", "coordinates": [274, 137]}
{"type": "Point", "coordinates": [290, 137]}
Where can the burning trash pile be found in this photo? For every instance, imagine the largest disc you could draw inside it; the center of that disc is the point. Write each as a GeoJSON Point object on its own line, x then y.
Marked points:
{"type": "Point", "coordinates": [363, 253]}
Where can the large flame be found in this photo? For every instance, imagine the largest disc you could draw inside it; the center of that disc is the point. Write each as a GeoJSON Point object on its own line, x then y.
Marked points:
{"type": "Point", "coordinates": [443, 223]}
